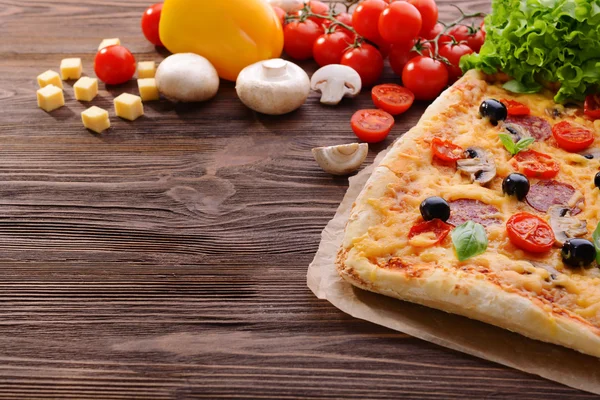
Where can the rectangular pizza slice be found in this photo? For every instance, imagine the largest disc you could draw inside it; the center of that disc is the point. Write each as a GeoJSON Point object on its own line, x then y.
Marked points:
{"type": "Point", "coordinates": [486, 209]}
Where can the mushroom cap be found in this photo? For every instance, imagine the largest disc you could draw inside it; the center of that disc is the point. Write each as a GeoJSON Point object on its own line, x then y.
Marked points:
{"type": "Point", "coordinates": [187, 77]}
{"type": "Point", "coordinates": [336, 81]}
{"type": "Point", "coordinates": [342, 159]}
{"type": "Point", "coordinates": [482, 167]}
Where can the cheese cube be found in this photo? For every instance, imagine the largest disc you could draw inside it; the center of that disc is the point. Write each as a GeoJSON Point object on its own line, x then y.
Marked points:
{"type": "Point", "coordinates": [50, 98]}
{"type": "Point", "coordinates": [95, 119]}
{"type": "Point", "coordinates": [146, 69]}
{"type": "Point", "coordinates": [109, 42]}
{"type": "Point", "coordinates": [71, 68]}
{"type": "Point", "coordinates": [148, 89]}
{"type": "Point", "coordinates": [129, 106]}
{"type": "Point", "coordinates": [49, 78]}
{"type": "Point", "coordinates": [86, 88]}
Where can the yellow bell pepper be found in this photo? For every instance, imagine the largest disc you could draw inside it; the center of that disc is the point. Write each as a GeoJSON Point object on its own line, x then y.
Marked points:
{"type": "Point", "coordinates": [231, 34]}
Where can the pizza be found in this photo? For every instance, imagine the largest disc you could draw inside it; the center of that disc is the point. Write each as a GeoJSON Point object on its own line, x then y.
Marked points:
{"type": "Point", "coordinates": [487, 208]}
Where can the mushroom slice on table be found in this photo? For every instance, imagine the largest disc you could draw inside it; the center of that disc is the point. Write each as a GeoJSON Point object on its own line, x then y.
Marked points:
{"type": "Point", "coordinates": [335, 82]}
{"type": "Point", "coordinates": [564, 225]}
{"type": "Point", "coordinates": [479, 165]}
{"type": "Point", "coordinates": [342, 159]}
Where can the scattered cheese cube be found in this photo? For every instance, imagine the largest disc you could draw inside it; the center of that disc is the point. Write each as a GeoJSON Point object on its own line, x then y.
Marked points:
{"type": "Point", "coordinates": [109, 42]}
{"type": "Point", "coordinates": [71, 68]}
{"type": "Point", "coordinates": [49, 78]}
{"type": "Point", "coordinates": [129, 106]}
{"type": "Point", "coordinates": [148, 89]}
{"type": "Point", "coordinates": [95, 119]}
{"type": "Point", "coordinates": [146, 69]}
{"type": "Point", "coordinates": [50, 98]}
{"type": "Point", "coordinates": [86, 88]}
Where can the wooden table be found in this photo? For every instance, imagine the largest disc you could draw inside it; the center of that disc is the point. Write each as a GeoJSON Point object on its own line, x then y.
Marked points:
{"type": "Point", "coordinates": [167, 258]}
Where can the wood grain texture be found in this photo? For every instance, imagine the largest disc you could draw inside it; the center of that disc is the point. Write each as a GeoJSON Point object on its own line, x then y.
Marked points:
{"type": "Point", "coordinates": [166, 258]}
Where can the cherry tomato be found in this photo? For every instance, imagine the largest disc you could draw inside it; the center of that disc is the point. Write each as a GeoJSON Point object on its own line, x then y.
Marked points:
{"type": "Point", "coordinates": [367, 61]}
{"type": "Point", "coordinates": [439, 228]}
{"type": "Point", "coordinates": [330, 47]}
{"type": "Point", "coordinates": [345, 18]}
{"type": "Point", "coordinates": [319, 8]}
{"type": "Point", "coordinates": [432, 33]}
{"type": "Point", "coordinates": [392, 98]}
{"type": "Point", "coordinates": [591, 107]}
{"type": "Point", "coordinates": [429, 14]}
{"type": "Point", "coordinates": [530, 233]}
{"type": "Point", "coordinates": [515, 108]}
{"type": "Point", "coordinates": [536, 165]}
{"type": "Point", "coordinates": [371, 126]}
{"type": "Point", "coordinates": [453, 53]}
{"type": "Point", "coordinates": [114, 65]}
{"type": "Point", "coordinates": [571, 137]}
{"type": "Point", "coordinates": [400, 22]}
{"type": "Point", "coordinates": [446, 150]}
{"type": "Point", "coordinates": [425, 77]}
{"type": "Point", "coordinates": [300, 37]}
{"type": "Point", "coordinates": [401, 53]}
{"type": "Point", "coordinates": [365, 19]}
{"type": "Point", "coordinates": [280, 14]}
{"type": "Point", "coordinates": [473, 37]}
{"type": "Point", "coordinates": [150, 21]}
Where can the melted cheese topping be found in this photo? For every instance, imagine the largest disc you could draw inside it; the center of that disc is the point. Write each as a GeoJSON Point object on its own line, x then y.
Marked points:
{"type": "Point", "coordinates": [543, 277]}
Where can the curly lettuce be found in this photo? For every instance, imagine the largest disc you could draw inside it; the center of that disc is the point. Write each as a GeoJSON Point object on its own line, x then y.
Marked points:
{"type": "Point", "coordinates": [540, 42]}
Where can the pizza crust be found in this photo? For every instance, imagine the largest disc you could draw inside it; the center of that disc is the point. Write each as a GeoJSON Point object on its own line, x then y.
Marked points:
{"type": "Point", "coordinates": [452, 289]}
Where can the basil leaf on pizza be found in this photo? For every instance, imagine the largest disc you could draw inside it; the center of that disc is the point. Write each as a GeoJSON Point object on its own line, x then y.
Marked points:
{"type": "Point", "coordinates": [469, 240]}
{"type": "Point", "coordinates": [512, 147]}
{"type": "Point", "coordinates": [596, 237]}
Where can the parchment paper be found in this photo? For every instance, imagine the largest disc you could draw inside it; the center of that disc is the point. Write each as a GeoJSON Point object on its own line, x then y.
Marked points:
{"type": "Point", "coordinates": [455, 332]}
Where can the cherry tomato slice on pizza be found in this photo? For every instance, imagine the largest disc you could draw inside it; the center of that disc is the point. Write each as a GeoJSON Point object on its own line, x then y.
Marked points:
{"type": "Point", "coordinates": [446, 150]}
{"type": "Point", "coordinates": [591, 107]}
{"type": "Point", "coordinates": [536, 165]}
{"type": "Point", "coordinates": [372, 126]}
{"type": "Point", "coordinates": [515, 108]}
{"type": "Point", "coordinates": [392, 98]}
{"type": "Point", "coordinates": [439, 228]}
{"type": "Point", "coordinates": [571, 137]}
{"type": "Point", "coordinates": [530, 233]}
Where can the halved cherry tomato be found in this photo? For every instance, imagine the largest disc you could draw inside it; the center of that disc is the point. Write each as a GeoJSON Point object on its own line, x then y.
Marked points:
{"type": "Point", "coordinates": [591, 107]}
{"type": "Point", "coordinates": [536, 165]}
{"type": "Point", "coordinates": [446, 150]}
{"type": "Point", "coordinates": [571, 137]}
{"type": "Point", "coordinates": [438, 227]}
{"type": "Point", "coordinates": [372, 126]}
{"type": "Point", "coordinates": [530, 233]}
{"type": "Point", "coordinates": [515, 108]}
{"type": "Point", "coordinates": [392, 98]}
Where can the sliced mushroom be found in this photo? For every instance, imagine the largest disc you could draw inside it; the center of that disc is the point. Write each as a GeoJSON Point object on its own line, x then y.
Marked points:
{"type": "Point", "coordinates": [479, 165]}
{"type": "Point", "coordinates": [336, 81]}
{"type": "Point", "coordinates": [516, 131]}
{"type": "Point", "coordinates": [559, 110]}
{"type": "Point", "coordinates": [341, 160]}
{"type": "Point", "coordinates": [553, 272]}
{"type": "Point", "coordinates": [591, 154]}
{"type": "Point", "coordinates": [564, 225]}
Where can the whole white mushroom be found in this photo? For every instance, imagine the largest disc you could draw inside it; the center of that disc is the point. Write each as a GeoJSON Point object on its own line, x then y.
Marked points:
{"type": "Point", "coordinates": [187, 77]}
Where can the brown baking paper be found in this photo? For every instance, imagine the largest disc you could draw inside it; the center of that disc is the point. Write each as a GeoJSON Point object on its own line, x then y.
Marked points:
{"type": "Point", "coordinates": [455, 332]}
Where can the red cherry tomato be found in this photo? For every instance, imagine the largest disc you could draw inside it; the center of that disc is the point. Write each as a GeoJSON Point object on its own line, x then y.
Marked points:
{"type": "Point", "coordinates": [571, 137]}
{"type": "Point", "coordinates": [432, 33]}
{"type": "Point", "coordinates": [446, 150]}
{"type": "Point", "coordinates": [114, 65]}
{"type": "Point", "coordinates": [372, 126]}
{"type": "Point", "coordinates": [530, 233]}
{"type": "Point", "coordinates": [392, 98]}
{"type": "Point", "coordinates": [365, 19]}
{"type": "Point", "coordinates": [150, 21]}
{"type": "Point", "coordinates": [367, 61]}
{"type": "Point", "coordinates": [330, 47]}
{"type": "Point", "coordinates": [591, 107]}
{"type": "Point", "coordinates": [536, 165]}
{"type": "Point", "coordinates": [453, 53]}
{"type": "Point", "coordinates": [515, 108]}
{"type": "Point", "coordinates": [280, 14]}
{"type": "Point", "coordinates": [300, 37]}
{"type": "Point", "coordinates": [400, 22]}
{"type": "Point", "coordinates": [439, 228]}
{"type": "Point", "coordinates": [345, 18]}
{"type": "Point", "coordinates": [319, 8]}
{"type": "Point", "coordinates": [401, 53]}
{"type": "Point", "coordinates": [473, 37]}
{"type": "Point", "coordinates": [429, 14]}
{"type": "Point", "coordinates": [425, 77]}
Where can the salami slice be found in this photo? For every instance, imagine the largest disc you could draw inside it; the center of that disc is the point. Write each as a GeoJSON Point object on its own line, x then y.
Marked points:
{"type": "Point", "coordinates": [463, 210]}
{"type": "Point", "coordinates": [537, 127]}
{"type": "Point", "coordinates": [545, 194]}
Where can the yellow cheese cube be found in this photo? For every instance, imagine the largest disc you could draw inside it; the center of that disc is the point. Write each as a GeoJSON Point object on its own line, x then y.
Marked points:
{"type": "Point", "coordinates": [148, 89]}
{"type": "Point", "coordinates": [50, 98]}
{"type": "Point", "coordinates": [49, 78]}
{"type": "Point", "coordinates": [129, 106]}
{"type": "Point", "coordinates": [95, 119]}
{"type": "Point", "coordinates": [146, 69]}
{"type": "Point", "coordinates": [86, 88]}
{"type": "Point", "coordinates": [109, 42]}
{"type": "Point", "coordinates": [71, 68]}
